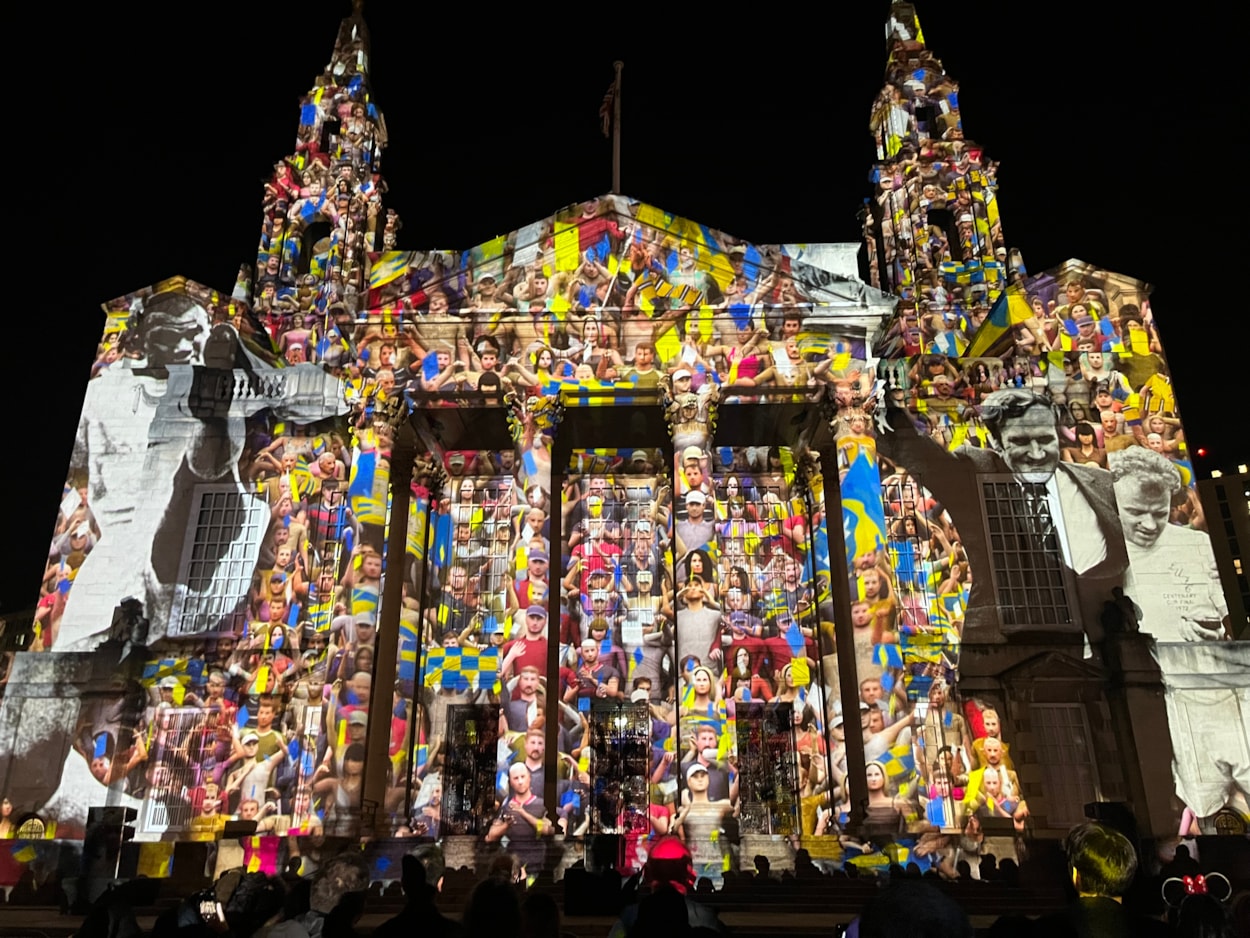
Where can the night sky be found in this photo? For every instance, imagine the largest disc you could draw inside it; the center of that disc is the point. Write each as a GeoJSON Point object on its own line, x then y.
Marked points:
{"type": "Point", "coordinates": [162, 119]}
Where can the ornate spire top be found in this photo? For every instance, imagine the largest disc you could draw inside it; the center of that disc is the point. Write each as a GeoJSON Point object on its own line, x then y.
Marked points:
{"type": "Point", "coordinates": [903, 26]}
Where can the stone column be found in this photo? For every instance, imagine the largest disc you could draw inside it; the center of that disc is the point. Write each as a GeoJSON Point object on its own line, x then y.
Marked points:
{"type": "Point", "coordinates": [856, 503]}
{"type": "Point", "coordinates": [386, 644]}
{"type": "Point", "coordinates": [532, 422]}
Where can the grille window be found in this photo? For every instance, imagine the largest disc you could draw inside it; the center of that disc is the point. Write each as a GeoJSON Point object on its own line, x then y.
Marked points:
{"type": "Point", "coordinates": [218, 560]}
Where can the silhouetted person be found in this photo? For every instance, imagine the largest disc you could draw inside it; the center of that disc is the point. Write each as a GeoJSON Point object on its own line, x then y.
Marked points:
{"type": "Point", "coordinates": [763, 869]}
{"type": "Point", "coordinates": [1181, 864]}
{"type": "Point", "coordinates": [804, 868]}
{"type": "Point", "coordinates": [660, 914]}
{"type": "Point", "coordinates": [540, 916]}
{"type": "Point", "coordinates": [493, 910]}
{"type": "Point", "coordinates": [335, 901]}
{"type": "Point", "coordinates": [989, 868]}
{"type": "Point", "coordinates": [1015, 926]}
{"type": "Point", "coordinates": [908, 907]}
{"type": "Point", "coordinates": [422, 877]}
{"type": "Point", "coordinates": [1009, 873]}
{"type": "Point", "coordinates": [1101, 864]}
{"type": "Point", "coordinates": [1203, 916]}
{"type": "Point", "coordinates": [597, 892]}
{"type": "Point", "coordinates": [669, 867]}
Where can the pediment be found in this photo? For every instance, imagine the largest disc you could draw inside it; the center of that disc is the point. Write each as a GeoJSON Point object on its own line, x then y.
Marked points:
{"type": "Point", "coordinates": [176, 284]}
{"type": "Point", "coordinates": [124, 313]}
{"type": "Point", "coordinates": [1053, 665]}
{"type": "Point", "coordinates": [631, 237]}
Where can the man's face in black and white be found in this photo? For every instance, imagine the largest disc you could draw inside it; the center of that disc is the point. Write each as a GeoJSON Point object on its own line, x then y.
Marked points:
{"type": "Point", "coordinates": [1144, 512]}
{"type": "Point", "coordinates": [1029, 445]}
{"type": "Point", "coordinates": [173, 337]}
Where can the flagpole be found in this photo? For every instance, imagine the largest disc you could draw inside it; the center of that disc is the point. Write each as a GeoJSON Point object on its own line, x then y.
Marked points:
{"type": "Point", "coordinates": [616, 131]}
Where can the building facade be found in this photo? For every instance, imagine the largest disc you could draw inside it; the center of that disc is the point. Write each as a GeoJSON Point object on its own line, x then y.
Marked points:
{"type": "Point", "coordinates": [609, 524]}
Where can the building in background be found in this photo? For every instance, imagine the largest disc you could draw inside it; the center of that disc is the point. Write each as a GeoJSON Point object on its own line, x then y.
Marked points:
{"type": "Point", "coordinates": [1226, 499]}
{"type": "Point", "coordinates": [609, 524]}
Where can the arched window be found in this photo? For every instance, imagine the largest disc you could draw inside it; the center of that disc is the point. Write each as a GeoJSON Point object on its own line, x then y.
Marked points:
{"type": "Point", "coordinates": [314, 243]}
{"type": "Point", "coordinates": [329, 130]}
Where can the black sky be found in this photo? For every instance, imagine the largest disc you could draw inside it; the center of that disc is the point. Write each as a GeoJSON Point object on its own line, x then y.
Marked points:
{"type": "Point", "coordinates": [1116, 144]}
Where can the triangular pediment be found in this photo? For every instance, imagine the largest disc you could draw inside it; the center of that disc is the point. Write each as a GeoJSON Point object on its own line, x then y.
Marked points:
{"type": "Point", "coordinates": [629, 236]}
{"type": "Point", "coordinates": [174, 284]}
{"type": "Point", "coordinates": [125, 313]}
{"type": "Point", "coordinates": [1053, 665]}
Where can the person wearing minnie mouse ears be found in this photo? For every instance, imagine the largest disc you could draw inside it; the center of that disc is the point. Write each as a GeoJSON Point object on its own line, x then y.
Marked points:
{"type": "Point", "coordinates": [1196, 906]}
{"type": "Point", "coordinates": [1102, 864]}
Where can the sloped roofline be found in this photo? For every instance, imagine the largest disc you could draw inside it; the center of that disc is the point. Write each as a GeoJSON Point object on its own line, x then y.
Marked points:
{"type": "Point", "coordinates": [813, 265]}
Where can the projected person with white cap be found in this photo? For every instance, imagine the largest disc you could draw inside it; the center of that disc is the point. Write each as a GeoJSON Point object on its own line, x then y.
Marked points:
{"type": "Point", "coordinates": [692, 475]}
{"type": "Point", "coordinates": [251, 779]}
{"type": "Point", "coordinates": [699, 820]}
{"type": "Point", "coordinates": [698, 528]}
{"type": "Point", "coordinates": [691, 415]}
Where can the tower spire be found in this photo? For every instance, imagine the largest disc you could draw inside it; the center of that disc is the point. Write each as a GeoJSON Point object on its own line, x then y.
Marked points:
{"type": "Point", "coordinates": [932, 228]}
{"type": "Point", "coordinates": [323, 202]}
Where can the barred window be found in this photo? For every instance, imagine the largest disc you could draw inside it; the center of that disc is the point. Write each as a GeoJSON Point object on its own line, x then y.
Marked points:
{"type": "Point", "coordinates": [1024, 531]}
{"type": "Point", "coordinates": [180, 740]}
{"type": "Point", "coordinates": [1066, 753]}
{"type": "Point", "coordinates": [481, 563]}
{"type": "Point", "coordinates": [910, 550]}
{"type": "Point", "coordinates": [218, 559]}
{"type": "Point", "coordinates": [771, 515]}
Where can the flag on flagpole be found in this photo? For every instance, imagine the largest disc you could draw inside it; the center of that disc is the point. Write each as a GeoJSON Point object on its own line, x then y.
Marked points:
{"type": "Point", "coordinates": [605, 109]}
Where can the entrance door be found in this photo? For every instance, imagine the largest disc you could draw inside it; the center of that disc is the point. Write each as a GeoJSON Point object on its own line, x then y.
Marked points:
{"type": "Point", "coordinates": [766, 761]}
{"type": "Point", "coordinates": [620, 762]}
{"type": "Point", "coordinates": [469, 788]}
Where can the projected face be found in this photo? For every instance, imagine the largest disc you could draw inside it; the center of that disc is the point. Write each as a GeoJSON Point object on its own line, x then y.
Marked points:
{"type": "Point", "coordinates": [1144, 511]}
{"type": "Point", "coordinates": [175, 336]}
{"type": "Point", "coordinates": [529, 682]}
{"type": "Point", "coordinates": [1029, 445]}
{"type": "Point", "coordinates": [989, 719]}
{"type": "Point", "coordinates": [874, 777]}
{"type": "Point", "coordinates": [992, 784]}
{"type": "Point", "coordinates": [702, 682]}
{"type": "Point", "coordinates": [519, 780]}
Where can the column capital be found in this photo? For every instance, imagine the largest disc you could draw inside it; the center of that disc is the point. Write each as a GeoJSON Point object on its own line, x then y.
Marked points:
{"type": "Point", "coordinates": [690, 415]}
{"type": "Point", "coordinates": [532, 415]}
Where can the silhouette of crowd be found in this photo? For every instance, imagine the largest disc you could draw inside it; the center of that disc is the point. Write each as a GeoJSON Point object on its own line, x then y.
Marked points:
{"type": "Point", "coordinates": [1110, 894]}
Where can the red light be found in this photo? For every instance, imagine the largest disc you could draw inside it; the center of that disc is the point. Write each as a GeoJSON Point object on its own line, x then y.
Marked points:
{"type": "Point", "coordinates": [1202, 451]}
